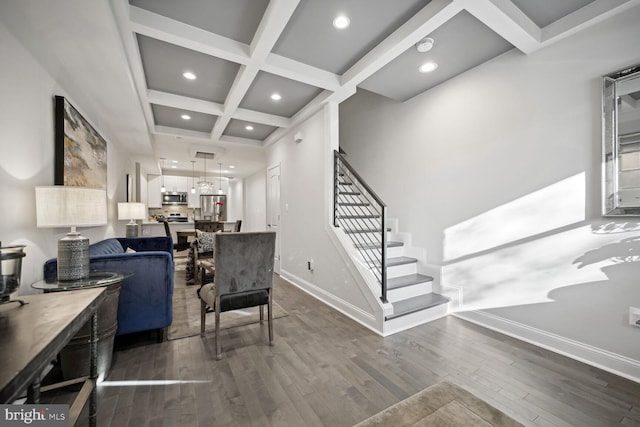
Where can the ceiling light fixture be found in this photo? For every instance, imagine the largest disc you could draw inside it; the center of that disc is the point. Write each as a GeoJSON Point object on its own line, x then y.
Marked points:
{"type": "Point", "coordinates": [232, 167]}
{"type": "Point", "coordinates": [204, 185]}
{"type": "Point", "coordinates": [186, 117]}
{"type": "Point", "coordinates": [189, 75]}
{"type": "Point", "coordinates": [428, 67]}
{"type": "Point", "coordinates": [193, 179]}
{"type": "Point", "coordinates": [341, 22]}
{"type": "Point", "coordinates": [425, 45]}
{"type": "Point", "coordinates": [163, 189]}
{"type": "Point", "coordinates": [248, 127]}
{"type": "Point", "coordinates": [276, 96]}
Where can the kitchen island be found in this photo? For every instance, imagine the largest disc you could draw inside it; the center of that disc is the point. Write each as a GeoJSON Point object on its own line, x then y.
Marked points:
{"type": "Point", "coordinates": [154, 228]}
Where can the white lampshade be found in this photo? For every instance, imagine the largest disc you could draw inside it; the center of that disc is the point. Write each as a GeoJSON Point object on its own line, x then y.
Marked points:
{"type": "Point", "coordinates": [69, 206]}
{"type": "Point", "coordinates": [131, 211]}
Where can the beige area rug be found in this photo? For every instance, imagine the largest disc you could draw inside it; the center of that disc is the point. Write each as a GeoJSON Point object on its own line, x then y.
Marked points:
{"type": "Point", "coordinates": [443, 404]}
{"type": "Point", "coordinates": [186, 315]}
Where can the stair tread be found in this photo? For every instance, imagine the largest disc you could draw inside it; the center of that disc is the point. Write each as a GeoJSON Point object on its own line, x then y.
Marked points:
{"type": "Point", "coordinates": [392, 262]}
{"type": "Point", "coordinates": [403, 281]}
{"type": "Point", "coordinates": [353, 204]}
{"type": "Point", "coordinates": [415, 304]}
{"type": "Point", "coordinates": [400, 261]}
{"type": "Point", "coordinates": [359, 216]}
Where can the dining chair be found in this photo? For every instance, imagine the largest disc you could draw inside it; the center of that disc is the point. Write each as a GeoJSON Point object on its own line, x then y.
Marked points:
{"type": "Point", "coordinates": [243, 278]}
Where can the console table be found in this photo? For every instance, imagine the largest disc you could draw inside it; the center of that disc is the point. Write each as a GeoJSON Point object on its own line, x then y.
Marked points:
{"type": "Point", "coordinates": [33, 335]}
{"type": "Point", "coordinates": [107, 323]}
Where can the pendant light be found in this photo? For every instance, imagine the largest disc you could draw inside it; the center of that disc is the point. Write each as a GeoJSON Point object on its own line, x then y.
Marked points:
{"type": "Point", "coordinates": [220, 180]}
{"type": "Point", "coordinates": [204, 185]}
{"type": "Point", "coordinates": [193, 180]}
{"type": "Point", "coordinates": [163, 189]}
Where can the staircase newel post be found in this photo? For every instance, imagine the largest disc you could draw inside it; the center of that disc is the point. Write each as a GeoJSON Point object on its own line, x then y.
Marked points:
{"type": "Point", "coordinates": [384, 255]}
{"type": "Point", "coordinates": [335, 187]}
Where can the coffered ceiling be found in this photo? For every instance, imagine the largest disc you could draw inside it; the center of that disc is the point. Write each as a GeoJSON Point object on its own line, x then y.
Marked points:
{"type": "Point", "coordinates": [244, 51]}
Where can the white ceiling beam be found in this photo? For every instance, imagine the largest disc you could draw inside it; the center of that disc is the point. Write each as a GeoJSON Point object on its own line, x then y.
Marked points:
{"type": "Point", "coordinates": [303, 114]}
{"type": "Point", "coordinates": [184, 102]}
{"type": "Point", "coordinates": [121, 12]}
{"type": "Point", "coordinates": [271, 26]}
{"type": "Point", "coordinates": [295, 70]}
{"type": "Point", "coordinates": [182, 133]}
{"type": "Point", "coordinates": [262, 118]}
{"type": "Point", "coordinates": [506, 20]}
{"type": "Point", "coordinates": [242, 141]}
{"type": "Point", "coordinates": [432, 16]}
{"type": "Point", "coordinates": [584, 17]}
{"type": "Point", "coordinates": [174, 32]}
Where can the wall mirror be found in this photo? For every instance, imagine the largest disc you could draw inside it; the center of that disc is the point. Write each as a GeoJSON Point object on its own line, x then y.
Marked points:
{"type": "Point", "coordinates": [621, 143]}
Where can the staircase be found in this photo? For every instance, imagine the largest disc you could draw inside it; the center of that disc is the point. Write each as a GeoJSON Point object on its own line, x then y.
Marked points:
{"type": "Point", "coordinates": [361, 215]}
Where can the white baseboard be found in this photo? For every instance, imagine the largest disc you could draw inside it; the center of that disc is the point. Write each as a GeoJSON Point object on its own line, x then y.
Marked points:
{"type": "Point", "coordinates": [367, 320]}
{"type": "Point", "coordinates": [607, 361]}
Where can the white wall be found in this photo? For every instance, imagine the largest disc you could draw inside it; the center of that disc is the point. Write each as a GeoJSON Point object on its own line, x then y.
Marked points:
{"type": "Point", "coordinates": [27, 157]}
{"type": "Point", "coordinates": [497, 174]}
{"type": "Point", "coordinates": [305, 205]}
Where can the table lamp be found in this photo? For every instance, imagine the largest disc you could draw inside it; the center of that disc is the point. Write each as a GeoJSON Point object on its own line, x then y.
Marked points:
{"type": "Point", "coordinates": [132, 212]}
{"type": "Point", "coordinates": [69, 206]}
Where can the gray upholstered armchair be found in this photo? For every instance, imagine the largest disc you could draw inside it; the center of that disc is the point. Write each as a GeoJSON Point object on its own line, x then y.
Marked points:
{"type": "Point", "coordinates": [243, 278]}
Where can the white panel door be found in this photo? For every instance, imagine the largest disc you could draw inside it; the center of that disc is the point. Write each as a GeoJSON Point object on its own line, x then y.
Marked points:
{"type": "Point", "coordinates": [273, 209]}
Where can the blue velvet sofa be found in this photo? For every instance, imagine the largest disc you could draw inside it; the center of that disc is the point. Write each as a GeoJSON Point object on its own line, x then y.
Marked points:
{"type": "Point", "coordinates": [146, 297]}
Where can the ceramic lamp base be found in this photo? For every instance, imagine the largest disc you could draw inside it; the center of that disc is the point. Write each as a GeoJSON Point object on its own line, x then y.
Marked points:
{"type": "Point", "coordinates": [132, 230]}
{"type": "Point", "coordinates": [73, 257]}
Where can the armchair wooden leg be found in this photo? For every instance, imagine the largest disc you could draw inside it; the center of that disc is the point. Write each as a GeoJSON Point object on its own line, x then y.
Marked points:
{"type": "Point", "coordinates": [203, 312]}
{"type": "Point", "coordinates": [261, 314]}
{"type": "Point", "coordinates": [270, 318]}
{"type": "Point", "coordinates": [218, 344]}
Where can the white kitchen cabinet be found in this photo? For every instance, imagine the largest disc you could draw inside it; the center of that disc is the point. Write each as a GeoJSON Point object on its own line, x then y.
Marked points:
{"type": "Point", "coordinates": [154, 199]}
{"type": "Point", "coordinates": [176, 183]}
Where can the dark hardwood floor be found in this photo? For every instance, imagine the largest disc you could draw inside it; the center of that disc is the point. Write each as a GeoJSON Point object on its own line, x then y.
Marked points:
{"type": "Point", "coordinates": [327, 370]}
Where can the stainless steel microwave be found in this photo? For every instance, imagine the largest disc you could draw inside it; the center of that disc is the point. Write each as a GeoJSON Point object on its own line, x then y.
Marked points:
{"type": "Point", "coordinates": [174, 198]}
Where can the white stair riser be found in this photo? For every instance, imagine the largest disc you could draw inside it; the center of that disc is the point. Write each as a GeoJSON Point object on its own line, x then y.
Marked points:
{"type": "Point", "coordinates": [402, 270]}
{"type": "Point", "coordinates": [414, 319]}
{"type": "Point", "coordinates": [409, 291]}
{"type": "Point", "coordinates": [395, 252]}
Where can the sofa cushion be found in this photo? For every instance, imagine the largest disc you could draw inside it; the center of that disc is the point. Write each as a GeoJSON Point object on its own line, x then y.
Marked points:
{"type": "Point", "coordinates": [106, 247]}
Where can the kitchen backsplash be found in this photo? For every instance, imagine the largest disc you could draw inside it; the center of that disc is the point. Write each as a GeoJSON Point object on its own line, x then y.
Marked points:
{"type": "Point", "coordinates": [173, 209]}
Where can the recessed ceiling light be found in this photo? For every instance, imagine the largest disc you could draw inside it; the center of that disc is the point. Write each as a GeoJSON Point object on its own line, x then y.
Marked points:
{"type": "Point", "coordinates": [276, 96]}
{"type": "Point", "coordinates": [427, 67]}
{"type": "Point", "coordinates": [232, 167]}
{"type": "Point", "coordinates": [174, 161]}
{"type": "Point", "coordinates": [186, 117]}
{"type": "Point", "coordinates": [341, 22]}
{"type": "Point", "coordinates": [173, 166]}
{"type": "Point", "coordinates": [189, 75]}
{"type": "Point", "coordinates": [248, 127]}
